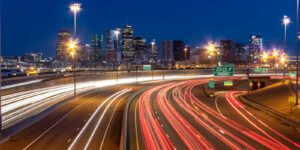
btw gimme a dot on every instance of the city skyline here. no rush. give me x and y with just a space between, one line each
180 22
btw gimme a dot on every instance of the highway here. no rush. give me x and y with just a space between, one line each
92 121
20 106
164 114
178 115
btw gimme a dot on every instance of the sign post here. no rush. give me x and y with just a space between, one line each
292 102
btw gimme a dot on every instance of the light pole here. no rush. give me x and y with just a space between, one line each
297 63
286 20
75 8
72 45
211 48
185 51
117 32
152 57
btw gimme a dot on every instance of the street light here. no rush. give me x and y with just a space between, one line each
265 56
117 32
286 20
152 57
185 51
211 49
75 8
297 44
72 47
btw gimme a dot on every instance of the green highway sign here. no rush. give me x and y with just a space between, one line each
260 70
223 71
228 83
147 67
211 84
292 74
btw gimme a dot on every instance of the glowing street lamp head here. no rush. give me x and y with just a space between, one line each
275 53
117 32
282 59
286 20
75 8
265 56
153 43
211 47
72 46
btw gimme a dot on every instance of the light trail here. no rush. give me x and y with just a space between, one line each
230 98
77 138
230 132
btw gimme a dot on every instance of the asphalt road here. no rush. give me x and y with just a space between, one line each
92 121
96 117
179 115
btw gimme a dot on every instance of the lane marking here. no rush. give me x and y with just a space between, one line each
136 129
54 125
102 116
112 116
72 146
216 102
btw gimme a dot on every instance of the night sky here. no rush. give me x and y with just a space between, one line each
31 25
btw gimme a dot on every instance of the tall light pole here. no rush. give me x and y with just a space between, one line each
286 21
185 51
152 57
211 49
0 69
75 8
297 63
117 32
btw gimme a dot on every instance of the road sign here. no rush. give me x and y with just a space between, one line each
228 83
223 71
260 70
292 100
211 84
147 67
292 74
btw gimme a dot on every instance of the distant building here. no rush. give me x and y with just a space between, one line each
167 52
255 47
228 51
140 49
127 45
96 49
63 37
178 50
112 47
241 53
32 57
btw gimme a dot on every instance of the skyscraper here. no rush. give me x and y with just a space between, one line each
127 45
241 50
111 47
255 47
228 51
167 52
96 48
63 37
178 50
140 49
